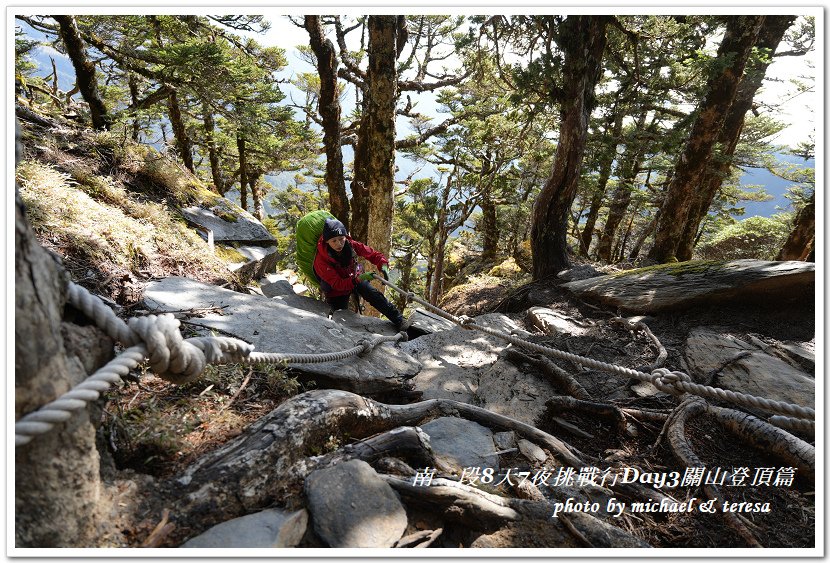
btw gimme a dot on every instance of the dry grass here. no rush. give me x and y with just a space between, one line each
158 428
105 232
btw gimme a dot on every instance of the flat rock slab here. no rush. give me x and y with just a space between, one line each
679 286
277 288
272 326
462 443
351 506
268 528
506 389
453 359
307 304
364 323
425 322
229 223
757 374
260 259
550 321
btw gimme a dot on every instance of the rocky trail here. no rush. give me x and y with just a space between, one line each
460 438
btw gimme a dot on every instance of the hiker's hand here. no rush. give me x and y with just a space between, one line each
367 276
385 273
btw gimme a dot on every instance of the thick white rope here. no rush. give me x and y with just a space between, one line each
673 382
171 357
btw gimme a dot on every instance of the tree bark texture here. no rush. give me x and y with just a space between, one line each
769 37
329 108
243 171
374 164
602 182
801 242
256 195
184 146
583 41
213 154
627 173
736 47
489 215
84 71
132 82
375 153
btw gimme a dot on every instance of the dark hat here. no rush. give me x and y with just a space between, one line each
334 228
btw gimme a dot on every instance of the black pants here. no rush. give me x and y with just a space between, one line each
375 298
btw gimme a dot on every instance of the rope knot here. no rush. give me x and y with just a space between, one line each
667 381
465 321
171 356
368 345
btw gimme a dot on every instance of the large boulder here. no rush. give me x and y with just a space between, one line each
229 223
754 372
454 359
256 261
679 286
351 506
272 326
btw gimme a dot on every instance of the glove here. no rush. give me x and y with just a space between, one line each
384 272
367 276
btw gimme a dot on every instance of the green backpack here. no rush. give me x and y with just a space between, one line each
309 229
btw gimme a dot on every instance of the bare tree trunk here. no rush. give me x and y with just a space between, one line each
374 162
583 41
769 37
256 195
213 154
132 81
801 242
736 47
628 170
329 108
375 153
84 71
243 171
599 191
489 228
184 146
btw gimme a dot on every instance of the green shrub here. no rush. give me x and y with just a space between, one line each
754 237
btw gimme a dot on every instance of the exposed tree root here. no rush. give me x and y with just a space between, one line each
632 325
484 511
709 378
269 462
420 539
557 375
604 410
766 437
687 456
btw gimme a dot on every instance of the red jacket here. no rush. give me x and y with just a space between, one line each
341 279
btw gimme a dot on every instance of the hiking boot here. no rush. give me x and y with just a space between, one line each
400 324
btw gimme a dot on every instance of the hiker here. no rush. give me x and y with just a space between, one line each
337 271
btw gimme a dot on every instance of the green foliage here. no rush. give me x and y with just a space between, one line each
755 237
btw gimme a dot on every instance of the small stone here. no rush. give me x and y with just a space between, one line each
265 529
462 443
505 440
531 451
